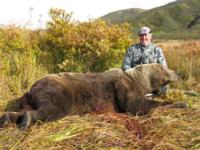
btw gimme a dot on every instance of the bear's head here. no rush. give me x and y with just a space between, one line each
154 75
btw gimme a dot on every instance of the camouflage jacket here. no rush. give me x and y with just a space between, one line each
140 54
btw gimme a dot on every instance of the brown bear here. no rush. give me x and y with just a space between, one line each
58 95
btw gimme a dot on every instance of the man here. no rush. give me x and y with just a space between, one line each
144 52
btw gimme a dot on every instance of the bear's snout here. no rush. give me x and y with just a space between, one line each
172 76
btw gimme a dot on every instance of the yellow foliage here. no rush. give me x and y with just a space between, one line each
87 46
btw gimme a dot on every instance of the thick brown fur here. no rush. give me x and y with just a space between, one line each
58 95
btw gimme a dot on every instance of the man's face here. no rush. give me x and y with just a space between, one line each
145 39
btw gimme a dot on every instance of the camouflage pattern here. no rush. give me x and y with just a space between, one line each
140 54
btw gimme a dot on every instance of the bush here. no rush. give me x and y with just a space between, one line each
19 66
88 46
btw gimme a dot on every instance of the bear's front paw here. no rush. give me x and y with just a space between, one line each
5 119
23 121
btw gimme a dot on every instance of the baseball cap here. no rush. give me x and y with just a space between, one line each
144 30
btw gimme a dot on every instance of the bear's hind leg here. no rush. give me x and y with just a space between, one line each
48 112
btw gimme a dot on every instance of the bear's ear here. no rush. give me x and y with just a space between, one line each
139 68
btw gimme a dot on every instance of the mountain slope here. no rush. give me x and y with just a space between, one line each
126 15
179 19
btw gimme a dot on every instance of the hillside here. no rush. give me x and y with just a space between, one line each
179 19
125 15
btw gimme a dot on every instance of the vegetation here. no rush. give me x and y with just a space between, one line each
120 16
184 57
19 63
91 46
176 20
27 55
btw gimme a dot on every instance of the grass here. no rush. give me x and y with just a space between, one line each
184 58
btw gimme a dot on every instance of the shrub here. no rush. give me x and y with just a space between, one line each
18 52
87 46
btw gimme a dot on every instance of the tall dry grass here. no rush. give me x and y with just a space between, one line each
18 72
184 58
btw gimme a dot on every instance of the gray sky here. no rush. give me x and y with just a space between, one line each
20 12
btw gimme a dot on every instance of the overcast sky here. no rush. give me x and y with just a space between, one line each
22 11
